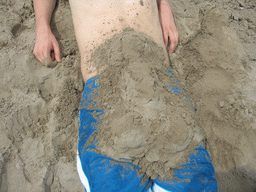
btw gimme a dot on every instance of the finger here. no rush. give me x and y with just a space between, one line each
52 55
165 37
37 55
56 49
47 56
174 42
172 47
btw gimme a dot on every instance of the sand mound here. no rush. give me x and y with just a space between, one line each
144 121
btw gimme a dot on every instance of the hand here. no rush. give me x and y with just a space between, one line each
168 25
46 48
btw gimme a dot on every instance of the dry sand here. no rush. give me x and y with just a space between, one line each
214 63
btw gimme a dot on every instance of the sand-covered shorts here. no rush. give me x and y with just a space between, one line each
100 173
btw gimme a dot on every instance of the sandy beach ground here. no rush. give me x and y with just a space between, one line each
214 63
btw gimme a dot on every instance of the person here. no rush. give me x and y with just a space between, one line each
95 22
95 18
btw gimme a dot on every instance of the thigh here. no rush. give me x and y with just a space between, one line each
98 172
101 173
195 175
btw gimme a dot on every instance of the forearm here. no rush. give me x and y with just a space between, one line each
158 2
166 5
43 12
46 47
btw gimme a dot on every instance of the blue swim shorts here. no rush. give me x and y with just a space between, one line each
98 173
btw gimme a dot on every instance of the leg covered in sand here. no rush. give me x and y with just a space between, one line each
137 129
102 173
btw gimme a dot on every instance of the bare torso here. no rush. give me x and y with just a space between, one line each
95 21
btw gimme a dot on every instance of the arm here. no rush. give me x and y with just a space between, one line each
46 47
167 24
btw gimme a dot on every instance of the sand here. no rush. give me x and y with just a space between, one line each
214 63
144 122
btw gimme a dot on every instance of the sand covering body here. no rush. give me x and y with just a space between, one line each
148 120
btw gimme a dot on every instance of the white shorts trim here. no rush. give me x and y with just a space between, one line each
81 174
85 182
157 188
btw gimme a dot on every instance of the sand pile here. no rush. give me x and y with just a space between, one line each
144 121
215 65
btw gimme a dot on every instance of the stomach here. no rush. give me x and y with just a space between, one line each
97 20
